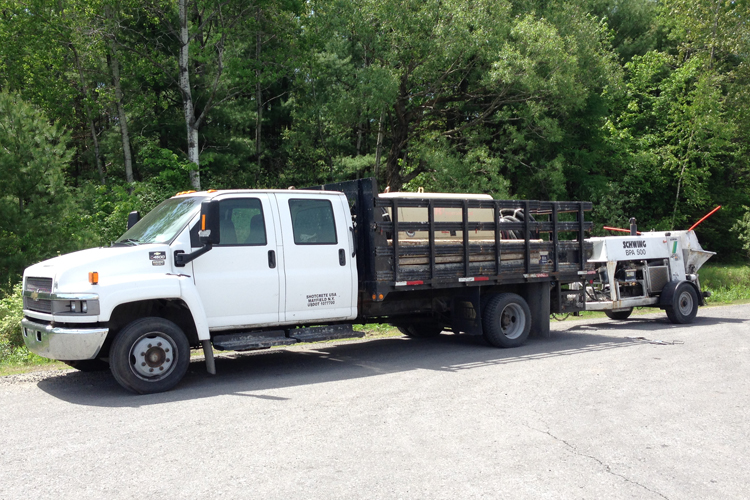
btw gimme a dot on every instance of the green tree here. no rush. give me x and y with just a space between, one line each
35 203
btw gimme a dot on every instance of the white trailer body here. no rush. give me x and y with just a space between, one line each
646 270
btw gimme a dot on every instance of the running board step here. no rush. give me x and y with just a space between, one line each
251 340
319 333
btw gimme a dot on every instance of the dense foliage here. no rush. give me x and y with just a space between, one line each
640 106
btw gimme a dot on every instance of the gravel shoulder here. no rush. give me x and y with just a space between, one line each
602 409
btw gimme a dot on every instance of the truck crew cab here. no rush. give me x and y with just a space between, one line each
251 269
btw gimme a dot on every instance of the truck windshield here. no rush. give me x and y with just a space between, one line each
162 223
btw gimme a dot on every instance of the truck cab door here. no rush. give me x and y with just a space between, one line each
320 271
239 280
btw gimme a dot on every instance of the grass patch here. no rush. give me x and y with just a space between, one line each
728 284
19 360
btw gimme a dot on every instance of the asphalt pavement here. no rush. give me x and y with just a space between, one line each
603 409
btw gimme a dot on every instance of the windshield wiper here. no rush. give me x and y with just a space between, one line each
127 242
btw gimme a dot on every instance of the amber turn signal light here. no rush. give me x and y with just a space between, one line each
94 278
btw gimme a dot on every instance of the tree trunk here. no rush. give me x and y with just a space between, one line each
258 91
187 98
400 122
360 130
396 156
122 118
379 147
89 118
685 162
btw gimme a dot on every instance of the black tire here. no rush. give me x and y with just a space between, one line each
88 365
684 305
623 314
149 355
506 320
421 330
404 329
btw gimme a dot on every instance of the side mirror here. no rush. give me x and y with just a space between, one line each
209 233
209 225
133 218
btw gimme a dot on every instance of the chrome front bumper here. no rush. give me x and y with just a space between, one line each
63 343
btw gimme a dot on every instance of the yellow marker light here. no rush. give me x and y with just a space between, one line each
211 191
94 278
380 296
373 296
203 222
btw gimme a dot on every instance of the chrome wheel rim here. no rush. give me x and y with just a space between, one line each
153 356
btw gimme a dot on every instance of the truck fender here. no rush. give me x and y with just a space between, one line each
135 288
170 286
667 293
193 300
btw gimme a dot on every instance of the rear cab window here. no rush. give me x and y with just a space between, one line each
313 222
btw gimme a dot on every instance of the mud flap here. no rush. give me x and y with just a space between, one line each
537 296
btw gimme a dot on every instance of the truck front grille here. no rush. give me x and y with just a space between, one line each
41 305
39 284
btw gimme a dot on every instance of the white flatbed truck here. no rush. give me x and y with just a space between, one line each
251 269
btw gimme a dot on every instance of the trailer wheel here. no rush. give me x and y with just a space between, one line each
421 330
621 314
149 355
88 365
684 305
506 320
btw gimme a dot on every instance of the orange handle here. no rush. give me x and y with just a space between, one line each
619 229
709 214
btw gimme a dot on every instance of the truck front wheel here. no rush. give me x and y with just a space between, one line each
684 305
149 355
506 320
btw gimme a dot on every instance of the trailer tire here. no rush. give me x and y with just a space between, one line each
421 330
620 315
506 320
88 365
149 355
684 305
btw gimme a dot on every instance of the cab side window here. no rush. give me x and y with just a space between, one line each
242 222
313 222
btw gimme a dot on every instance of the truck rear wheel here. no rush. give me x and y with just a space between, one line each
506 320
149 355
621 314
684 305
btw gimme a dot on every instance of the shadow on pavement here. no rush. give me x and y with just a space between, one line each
241 373
646 323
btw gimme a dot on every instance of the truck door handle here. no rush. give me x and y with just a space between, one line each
271 259
342 257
